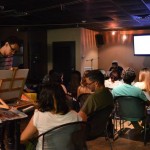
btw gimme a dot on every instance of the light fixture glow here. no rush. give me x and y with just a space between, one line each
113 32
124 37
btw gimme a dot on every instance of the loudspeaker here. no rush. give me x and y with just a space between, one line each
99 40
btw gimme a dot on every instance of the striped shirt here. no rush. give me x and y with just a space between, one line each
5 62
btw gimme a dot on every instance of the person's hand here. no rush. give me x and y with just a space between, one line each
3 104
13 68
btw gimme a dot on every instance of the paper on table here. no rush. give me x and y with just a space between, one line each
11 114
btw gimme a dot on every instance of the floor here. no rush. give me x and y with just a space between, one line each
130 139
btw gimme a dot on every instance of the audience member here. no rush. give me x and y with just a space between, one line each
126 89
115 66
74 83
113 81
52 111
54 77
45 80
144 81
101 97
83 88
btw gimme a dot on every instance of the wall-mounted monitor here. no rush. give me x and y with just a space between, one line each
141 44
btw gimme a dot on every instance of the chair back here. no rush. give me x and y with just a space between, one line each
97 123
70 136
82 98
130 108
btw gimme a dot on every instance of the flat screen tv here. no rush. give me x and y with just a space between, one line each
141 44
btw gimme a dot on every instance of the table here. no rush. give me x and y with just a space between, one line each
11 116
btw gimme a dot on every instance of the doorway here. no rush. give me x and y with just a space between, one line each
63 54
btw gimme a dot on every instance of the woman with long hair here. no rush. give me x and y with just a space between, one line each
144 81
52 111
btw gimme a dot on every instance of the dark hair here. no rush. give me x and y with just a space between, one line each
13 40
129 75
115 63
114 75
52 98
54 77
74 83
96 75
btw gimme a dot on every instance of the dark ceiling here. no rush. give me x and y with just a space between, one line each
92 14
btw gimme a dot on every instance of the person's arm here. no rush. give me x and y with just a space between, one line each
87 108
3 104
64 88
82 115
28 132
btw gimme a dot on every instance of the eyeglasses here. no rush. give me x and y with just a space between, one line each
13 49
90 83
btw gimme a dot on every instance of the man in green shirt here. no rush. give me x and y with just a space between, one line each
100 98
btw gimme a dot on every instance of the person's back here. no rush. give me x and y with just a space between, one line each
126 89
54 77
52 111
100 99
114 80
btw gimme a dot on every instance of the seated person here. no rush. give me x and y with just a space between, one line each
52 111
144 81
126 89
46 79
83 88
74 83
115 66
113 81
54 77
101 96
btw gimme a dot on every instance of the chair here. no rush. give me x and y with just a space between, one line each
82 98
100 124
130 108
70 136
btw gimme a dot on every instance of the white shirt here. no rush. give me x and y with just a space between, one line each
45 121
141 85
109 84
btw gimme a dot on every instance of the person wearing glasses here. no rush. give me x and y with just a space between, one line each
10 46
101 97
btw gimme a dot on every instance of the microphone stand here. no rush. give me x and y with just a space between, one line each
91 62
